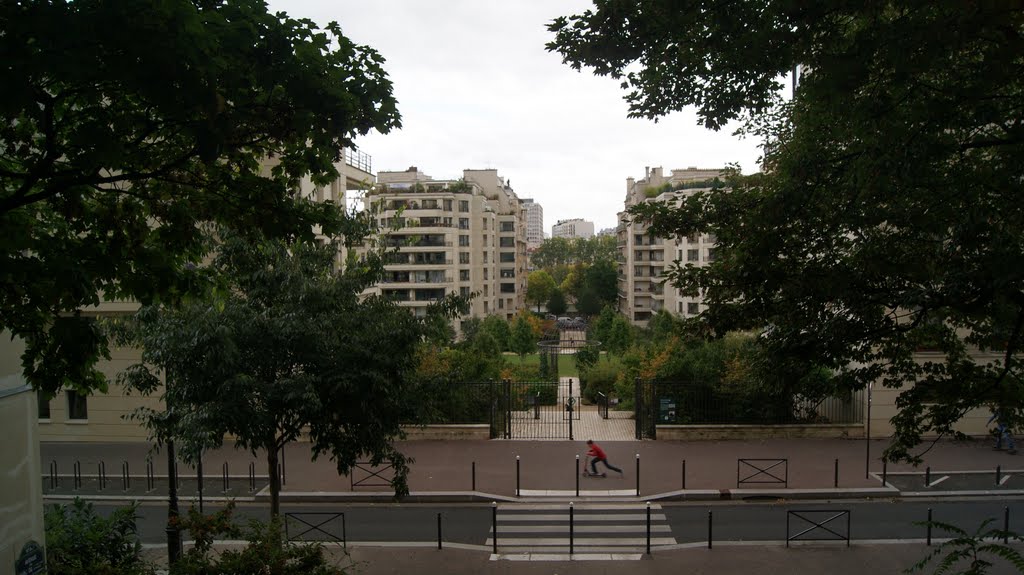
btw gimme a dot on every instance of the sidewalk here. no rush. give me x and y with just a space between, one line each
444 470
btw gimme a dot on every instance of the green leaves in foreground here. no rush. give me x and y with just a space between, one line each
970 553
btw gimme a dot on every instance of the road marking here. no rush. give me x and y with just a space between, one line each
1004 479
938 481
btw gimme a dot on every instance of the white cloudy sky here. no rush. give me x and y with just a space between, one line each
476 89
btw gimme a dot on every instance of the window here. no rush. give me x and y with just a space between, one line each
501 303
692 255
508 288
463 257
508 226
508 242
463 275
506 257
692 238
712 238
508 273
463 241
638 239
44 406
447 205
693 308
463 223
485 257
486 274
711 254
464 291
463 205
77 407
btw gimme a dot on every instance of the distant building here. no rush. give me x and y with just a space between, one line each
574 228
643 257
463 236
534 224
607 232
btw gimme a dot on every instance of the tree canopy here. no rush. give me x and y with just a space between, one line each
539 287
289 350
888 220
136 122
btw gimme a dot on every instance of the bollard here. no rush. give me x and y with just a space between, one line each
199 481
101 469
928 476
474 476
999 472
344 532
571 529
53 474
836 482
1006 525
885 471
638 475
494 526
438 531
928 541
125 477
517 476
577 475
252 476
149 475
648 527
224 476
77 470
684 475
284 468
709 529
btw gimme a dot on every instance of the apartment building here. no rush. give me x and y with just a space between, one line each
464 236
643 257
534 224
573 228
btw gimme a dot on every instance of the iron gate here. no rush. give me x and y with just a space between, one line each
540 409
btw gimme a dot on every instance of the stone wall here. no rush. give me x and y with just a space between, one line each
465 431
698 432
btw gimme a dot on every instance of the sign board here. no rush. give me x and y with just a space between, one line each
31 561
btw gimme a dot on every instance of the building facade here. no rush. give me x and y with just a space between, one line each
643 257
534 214
465 236
573 228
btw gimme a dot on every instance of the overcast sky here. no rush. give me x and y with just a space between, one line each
476 89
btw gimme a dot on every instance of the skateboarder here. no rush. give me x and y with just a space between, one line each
598 455
1002 432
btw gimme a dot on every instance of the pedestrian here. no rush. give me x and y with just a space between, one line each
597 454
1002 432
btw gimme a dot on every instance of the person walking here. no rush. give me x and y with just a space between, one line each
597 454
1002 432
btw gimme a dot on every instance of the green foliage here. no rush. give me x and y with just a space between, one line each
498 328
268 551
539 287
139 123
563 252
556 303
601 378
888 218
662 325
523 339
971 553
290 350
620 336
80 542
586 357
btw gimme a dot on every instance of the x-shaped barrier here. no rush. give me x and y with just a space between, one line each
833 514
761 472
373 474
316 527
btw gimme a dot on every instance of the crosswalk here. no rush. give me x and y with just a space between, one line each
608 530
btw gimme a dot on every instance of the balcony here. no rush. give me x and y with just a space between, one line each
359 160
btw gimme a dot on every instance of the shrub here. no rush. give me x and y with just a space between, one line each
80 542
601 378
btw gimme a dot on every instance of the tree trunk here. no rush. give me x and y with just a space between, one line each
275 481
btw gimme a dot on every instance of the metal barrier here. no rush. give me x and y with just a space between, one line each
318 524
373 475
760 471
602 405
805 515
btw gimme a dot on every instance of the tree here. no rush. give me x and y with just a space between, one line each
556 303
889 220
290 349
620 336
603 278
523 339
539 287
497 327
136 123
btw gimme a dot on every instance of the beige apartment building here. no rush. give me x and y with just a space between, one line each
465 236
643 258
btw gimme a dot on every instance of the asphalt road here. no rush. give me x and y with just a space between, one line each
687 523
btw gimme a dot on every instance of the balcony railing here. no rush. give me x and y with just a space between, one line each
359 160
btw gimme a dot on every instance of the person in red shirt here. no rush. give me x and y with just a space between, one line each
598 455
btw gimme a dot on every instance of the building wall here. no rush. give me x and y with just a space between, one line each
534 224
574 228
476 233
643 258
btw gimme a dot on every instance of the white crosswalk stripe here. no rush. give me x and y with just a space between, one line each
596 529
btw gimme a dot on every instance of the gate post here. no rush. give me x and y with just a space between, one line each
638 409
508 409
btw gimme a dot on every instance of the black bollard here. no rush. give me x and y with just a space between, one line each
709 529
517 476
577 475
572 527
439 531
494 526
928 541
473 473
648 527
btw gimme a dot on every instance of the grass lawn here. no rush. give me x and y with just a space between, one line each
566 363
